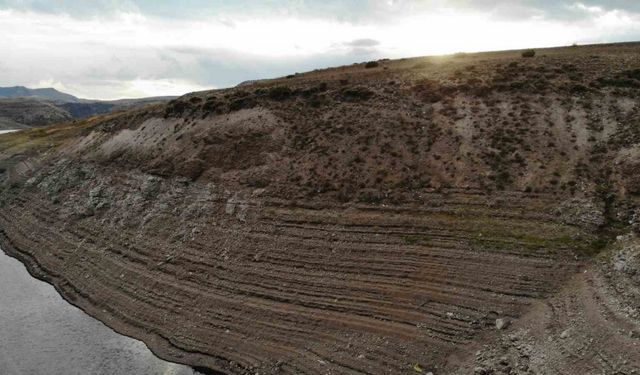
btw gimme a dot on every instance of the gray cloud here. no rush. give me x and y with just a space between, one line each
549 9
108 75
363 43
355 11
101 64
223 68
72 7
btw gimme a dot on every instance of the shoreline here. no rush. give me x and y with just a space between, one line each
35 271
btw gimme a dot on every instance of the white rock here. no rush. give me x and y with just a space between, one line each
502 323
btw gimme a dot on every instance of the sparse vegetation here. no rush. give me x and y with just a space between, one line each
529 53
279 93
415 239
357 93
371 64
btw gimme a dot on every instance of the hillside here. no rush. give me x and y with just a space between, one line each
373 218
22 108
23 113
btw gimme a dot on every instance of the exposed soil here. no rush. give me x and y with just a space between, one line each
589 327
354 220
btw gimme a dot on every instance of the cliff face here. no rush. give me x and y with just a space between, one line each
351 220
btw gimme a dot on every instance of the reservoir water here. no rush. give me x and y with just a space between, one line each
42 334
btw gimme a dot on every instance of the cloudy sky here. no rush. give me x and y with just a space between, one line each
111 49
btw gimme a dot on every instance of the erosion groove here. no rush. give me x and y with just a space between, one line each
344 291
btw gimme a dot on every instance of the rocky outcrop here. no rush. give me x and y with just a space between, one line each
588 213
634 221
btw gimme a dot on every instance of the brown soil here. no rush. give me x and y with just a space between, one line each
350 220
589 327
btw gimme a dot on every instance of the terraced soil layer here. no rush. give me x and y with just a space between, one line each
297 289
589 327
352 220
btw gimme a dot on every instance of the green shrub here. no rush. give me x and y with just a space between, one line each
357 93
279 93
529 53
371 64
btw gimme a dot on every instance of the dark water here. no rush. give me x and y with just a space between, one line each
42 334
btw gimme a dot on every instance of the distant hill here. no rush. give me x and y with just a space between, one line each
44 93
22 107
20 113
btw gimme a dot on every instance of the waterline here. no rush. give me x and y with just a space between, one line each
42 334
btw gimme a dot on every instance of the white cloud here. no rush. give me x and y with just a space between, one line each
589 9
142 87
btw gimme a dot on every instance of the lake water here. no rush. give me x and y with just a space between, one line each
42 334
8 131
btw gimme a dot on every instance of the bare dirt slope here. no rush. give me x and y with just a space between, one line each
589 327
349 220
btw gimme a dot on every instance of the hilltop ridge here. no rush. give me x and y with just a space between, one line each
47 93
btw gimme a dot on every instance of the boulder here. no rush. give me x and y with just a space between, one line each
502 323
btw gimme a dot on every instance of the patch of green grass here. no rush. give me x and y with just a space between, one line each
596 246
415 239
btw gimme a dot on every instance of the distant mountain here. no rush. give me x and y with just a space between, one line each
21 107
44 93
20 113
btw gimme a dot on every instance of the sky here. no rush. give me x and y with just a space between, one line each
110 49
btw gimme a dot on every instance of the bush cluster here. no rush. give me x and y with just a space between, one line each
529 53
